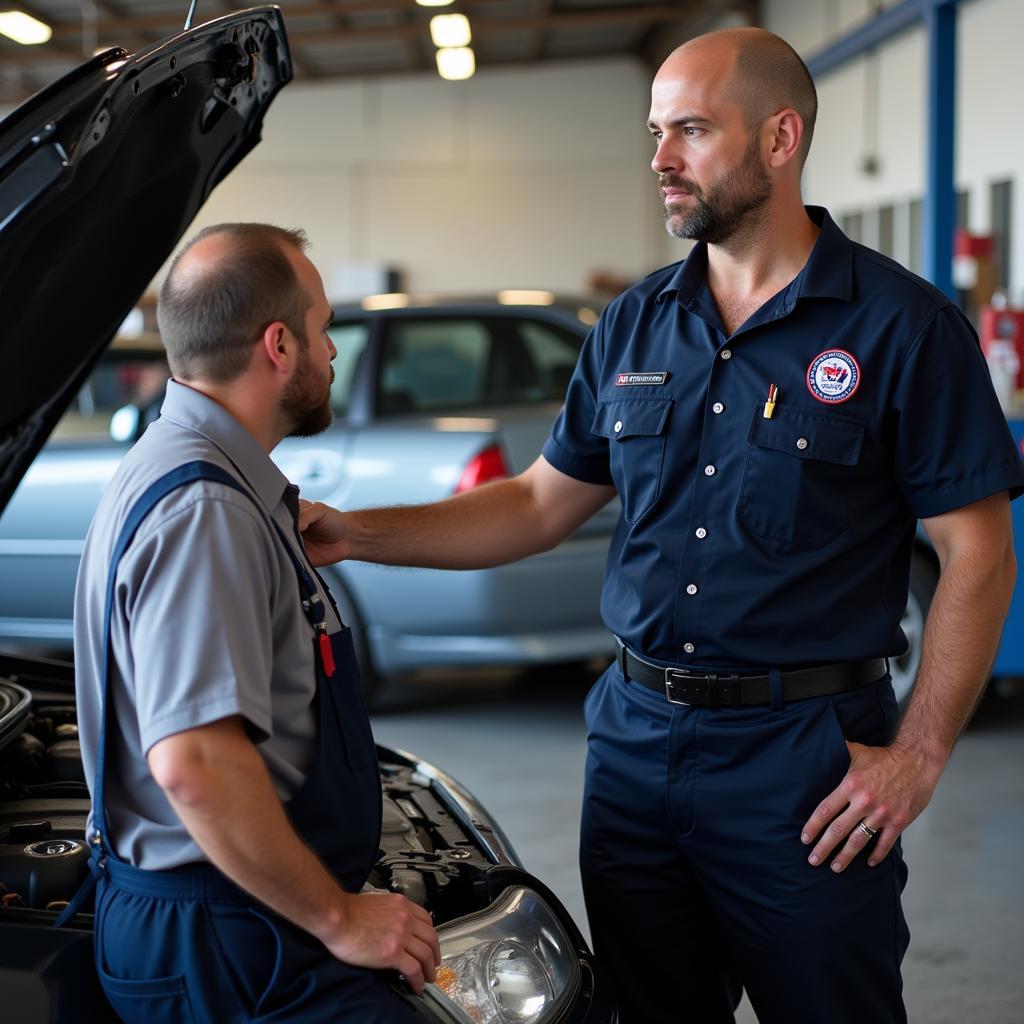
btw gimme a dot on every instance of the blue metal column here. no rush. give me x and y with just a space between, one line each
940 162
939 17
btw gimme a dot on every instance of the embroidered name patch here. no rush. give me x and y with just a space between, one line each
651 377
833 376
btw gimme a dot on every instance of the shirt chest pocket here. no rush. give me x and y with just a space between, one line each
801 467
636 430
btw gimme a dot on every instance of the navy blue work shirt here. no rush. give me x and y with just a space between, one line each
752 542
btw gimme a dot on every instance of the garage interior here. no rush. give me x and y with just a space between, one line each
533 173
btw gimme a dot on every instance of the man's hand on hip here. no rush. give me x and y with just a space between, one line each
884 790
385 930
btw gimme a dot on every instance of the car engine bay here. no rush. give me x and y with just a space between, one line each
507 943
425 853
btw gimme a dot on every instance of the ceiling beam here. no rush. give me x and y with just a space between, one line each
538 36
600 18
662 20
504 62
320 74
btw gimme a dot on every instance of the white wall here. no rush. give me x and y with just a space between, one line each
536 176
989 141
514 178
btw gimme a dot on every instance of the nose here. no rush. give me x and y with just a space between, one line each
665 159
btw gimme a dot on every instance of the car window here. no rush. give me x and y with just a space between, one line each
350 341
442 364
121 378
433 364
554 353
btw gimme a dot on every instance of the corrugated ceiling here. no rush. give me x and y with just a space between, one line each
344 38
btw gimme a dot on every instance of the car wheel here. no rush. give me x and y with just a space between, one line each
923 580
372 680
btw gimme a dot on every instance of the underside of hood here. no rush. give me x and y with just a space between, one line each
100 176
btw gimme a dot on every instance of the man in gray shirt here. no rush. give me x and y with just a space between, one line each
236 795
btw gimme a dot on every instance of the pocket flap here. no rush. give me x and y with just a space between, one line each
631 417
808 435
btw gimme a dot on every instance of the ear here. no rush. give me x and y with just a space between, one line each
277 345
786 130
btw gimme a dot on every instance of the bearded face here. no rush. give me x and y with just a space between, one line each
306 402
725 206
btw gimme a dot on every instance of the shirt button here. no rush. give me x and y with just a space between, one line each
718 408
709 470
801 443
692 589
618 426
726 353
689 648
701 532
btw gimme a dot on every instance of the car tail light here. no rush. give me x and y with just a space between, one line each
483 467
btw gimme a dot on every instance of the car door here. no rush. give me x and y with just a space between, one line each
43 529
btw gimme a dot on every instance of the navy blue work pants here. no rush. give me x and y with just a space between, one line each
696 883
186 946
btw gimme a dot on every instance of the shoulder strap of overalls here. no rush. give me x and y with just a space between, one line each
187 473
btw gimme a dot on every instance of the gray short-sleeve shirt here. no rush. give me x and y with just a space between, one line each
207 621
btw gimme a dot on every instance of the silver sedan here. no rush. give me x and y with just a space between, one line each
430 399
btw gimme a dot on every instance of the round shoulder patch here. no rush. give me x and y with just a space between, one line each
833 376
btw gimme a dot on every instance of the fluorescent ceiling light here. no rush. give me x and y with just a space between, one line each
450 30
525 297
23 28
433 3
389 300
456 64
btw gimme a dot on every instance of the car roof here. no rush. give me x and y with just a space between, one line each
510 303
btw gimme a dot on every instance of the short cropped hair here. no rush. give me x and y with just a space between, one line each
209 319
770 76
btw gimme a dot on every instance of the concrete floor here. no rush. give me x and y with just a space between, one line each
517 742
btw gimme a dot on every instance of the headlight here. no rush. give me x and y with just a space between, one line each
509 964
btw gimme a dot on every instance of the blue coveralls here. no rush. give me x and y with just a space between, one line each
187 945
757 545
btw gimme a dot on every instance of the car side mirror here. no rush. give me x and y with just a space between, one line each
124 424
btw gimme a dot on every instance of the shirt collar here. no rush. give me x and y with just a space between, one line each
827 274
196 411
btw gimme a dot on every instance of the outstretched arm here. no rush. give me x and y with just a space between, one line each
491 525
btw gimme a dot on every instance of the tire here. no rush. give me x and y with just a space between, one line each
924 578
372 679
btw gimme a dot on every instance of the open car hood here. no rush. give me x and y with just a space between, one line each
101 174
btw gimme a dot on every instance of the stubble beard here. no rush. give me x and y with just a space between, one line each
306 402
731 205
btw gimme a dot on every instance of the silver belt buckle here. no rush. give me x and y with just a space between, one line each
673 674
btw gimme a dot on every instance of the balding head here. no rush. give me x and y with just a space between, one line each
223 289
755 69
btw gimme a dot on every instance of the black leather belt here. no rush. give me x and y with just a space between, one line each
731 690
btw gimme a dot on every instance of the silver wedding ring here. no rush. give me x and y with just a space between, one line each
867 829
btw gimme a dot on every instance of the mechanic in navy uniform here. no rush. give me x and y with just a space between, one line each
236 793
774 414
